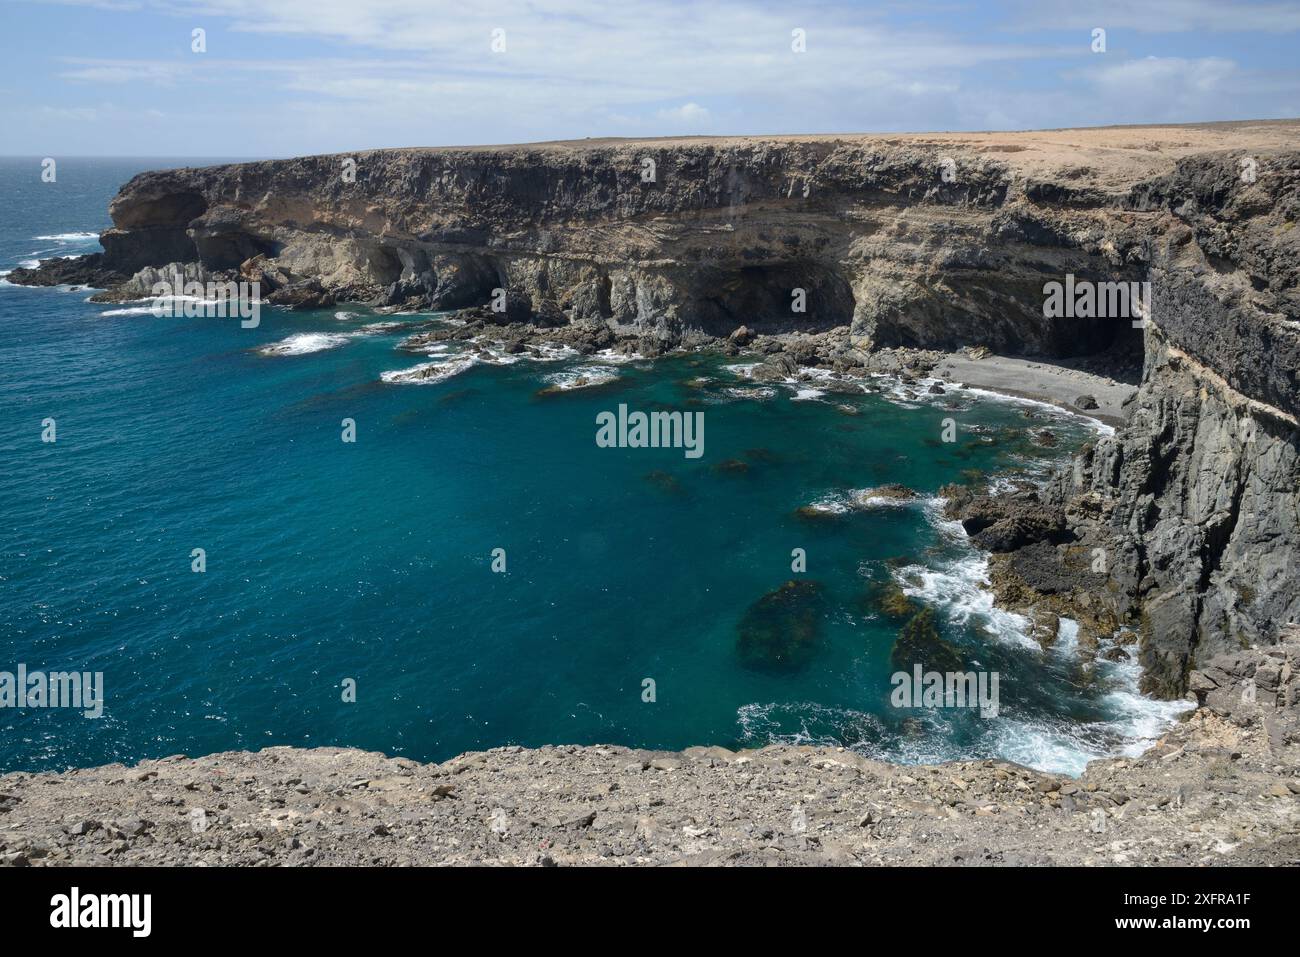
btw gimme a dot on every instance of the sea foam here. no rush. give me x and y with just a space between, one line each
303 343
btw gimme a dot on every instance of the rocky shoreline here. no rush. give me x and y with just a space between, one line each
1220 788
1190 510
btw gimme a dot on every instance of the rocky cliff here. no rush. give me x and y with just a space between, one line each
1184 526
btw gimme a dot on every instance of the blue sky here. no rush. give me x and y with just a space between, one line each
286 77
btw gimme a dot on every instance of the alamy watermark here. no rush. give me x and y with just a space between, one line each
651 430
1085 299
75 909
178 297
946 689
54 689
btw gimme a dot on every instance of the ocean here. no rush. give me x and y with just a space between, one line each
353 592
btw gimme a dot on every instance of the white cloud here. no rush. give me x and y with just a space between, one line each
122 71
1168 89
689 114
576 69
1164 76
410 72
1160 16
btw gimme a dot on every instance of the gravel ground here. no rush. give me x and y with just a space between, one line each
1223 787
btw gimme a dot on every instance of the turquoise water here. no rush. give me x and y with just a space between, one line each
372 560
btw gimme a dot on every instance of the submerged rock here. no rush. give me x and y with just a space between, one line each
817 514
890 600
664 481
919 643
782 630
731 467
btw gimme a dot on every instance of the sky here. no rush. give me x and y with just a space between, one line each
295 77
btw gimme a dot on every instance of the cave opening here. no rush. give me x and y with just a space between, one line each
384 264
228 250
777 298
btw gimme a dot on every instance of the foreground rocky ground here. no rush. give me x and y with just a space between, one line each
1221 788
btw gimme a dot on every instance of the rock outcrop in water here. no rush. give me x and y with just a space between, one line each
919 643
781 632
935 242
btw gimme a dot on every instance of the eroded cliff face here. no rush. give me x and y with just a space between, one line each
1194 502
874 235
936 242
1194 508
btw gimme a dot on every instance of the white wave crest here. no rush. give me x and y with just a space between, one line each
129 311
807 395
750 392
430 373
303 343
960 590
582 378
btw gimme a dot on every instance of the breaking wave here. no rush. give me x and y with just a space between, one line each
303 343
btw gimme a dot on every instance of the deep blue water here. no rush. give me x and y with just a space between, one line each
328 560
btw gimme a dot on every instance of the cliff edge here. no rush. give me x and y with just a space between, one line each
1222 788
